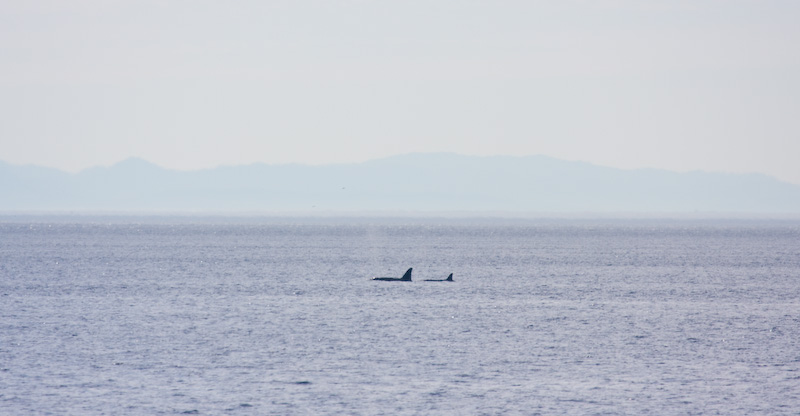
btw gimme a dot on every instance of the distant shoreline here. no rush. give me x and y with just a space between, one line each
457 218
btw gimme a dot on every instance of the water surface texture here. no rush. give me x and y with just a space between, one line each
622 317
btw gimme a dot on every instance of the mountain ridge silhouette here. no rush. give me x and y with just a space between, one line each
412 182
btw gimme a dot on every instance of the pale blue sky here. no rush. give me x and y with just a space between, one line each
680 85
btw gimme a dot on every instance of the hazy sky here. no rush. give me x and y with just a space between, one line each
681 85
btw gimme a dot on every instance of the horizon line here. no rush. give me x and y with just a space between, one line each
389 215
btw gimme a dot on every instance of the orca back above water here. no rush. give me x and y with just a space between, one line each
406 277
449 279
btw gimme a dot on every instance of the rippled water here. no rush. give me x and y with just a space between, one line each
278 318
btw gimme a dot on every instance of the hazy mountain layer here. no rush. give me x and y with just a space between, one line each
415 182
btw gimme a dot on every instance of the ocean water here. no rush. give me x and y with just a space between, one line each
139 317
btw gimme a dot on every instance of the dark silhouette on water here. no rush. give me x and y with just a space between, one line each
449 279
406 277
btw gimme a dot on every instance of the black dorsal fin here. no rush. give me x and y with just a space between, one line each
407 276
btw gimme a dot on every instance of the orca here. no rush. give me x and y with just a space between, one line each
406 277
449 279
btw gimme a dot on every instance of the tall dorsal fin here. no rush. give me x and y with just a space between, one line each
407 276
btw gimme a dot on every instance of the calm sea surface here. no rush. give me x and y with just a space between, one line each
281 318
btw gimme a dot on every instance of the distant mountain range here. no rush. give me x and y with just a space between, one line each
416 182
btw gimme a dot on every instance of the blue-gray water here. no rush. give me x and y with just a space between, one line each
276 318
